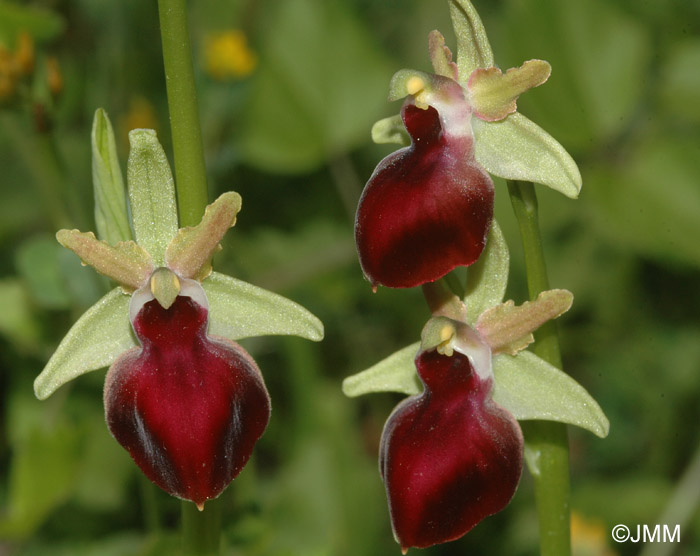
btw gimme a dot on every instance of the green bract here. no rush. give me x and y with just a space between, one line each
506 143
161 256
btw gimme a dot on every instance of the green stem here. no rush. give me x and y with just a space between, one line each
190 171
547 444
201 531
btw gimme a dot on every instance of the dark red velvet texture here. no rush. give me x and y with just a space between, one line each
449 457
188 408
426 209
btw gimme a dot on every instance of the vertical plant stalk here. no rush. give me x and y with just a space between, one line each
201 531
547 444
188 151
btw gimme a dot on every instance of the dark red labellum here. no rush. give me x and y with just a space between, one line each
450 456
426 209
188 408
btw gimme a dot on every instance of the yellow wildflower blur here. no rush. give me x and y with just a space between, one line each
589 537
227 55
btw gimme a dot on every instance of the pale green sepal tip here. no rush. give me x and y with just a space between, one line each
487 278
530 388
101 335
518 149
473 48
390 130
111 213
396 373
151 194
240 310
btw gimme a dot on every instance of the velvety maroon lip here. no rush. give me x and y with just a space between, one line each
426 209
450 456
188 408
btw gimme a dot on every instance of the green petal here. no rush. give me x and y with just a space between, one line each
111 215
126 262
508 328
390 130
189 253
473 48
493 94
518 149
440 55
531 388
488 277
240 310
151 194
95 341
396 373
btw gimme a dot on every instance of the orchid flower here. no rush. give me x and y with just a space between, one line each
181 396
427 207
451 454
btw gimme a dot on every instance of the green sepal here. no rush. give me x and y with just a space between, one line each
391 130
151 194
530 388
101 335
189 253
111 214
396 373
518 149
473 48
487 278
240 310
525 385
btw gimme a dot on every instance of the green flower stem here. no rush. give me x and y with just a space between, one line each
547 445
201 531
188 151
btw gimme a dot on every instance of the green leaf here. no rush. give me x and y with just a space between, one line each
391 130
111 215
39 265
101 335
151 194
317 90
518 149
16 320
531 388
40 24
487 278
473 48
396 373
240 310
650 204
43 470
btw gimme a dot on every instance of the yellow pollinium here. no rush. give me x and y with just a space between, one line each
165 286
415 86
447 333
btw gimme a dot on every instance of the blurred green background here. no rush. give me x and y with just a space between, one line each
288 92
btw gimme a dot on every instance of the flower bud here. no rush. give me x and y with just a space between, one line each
187 407
450 456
